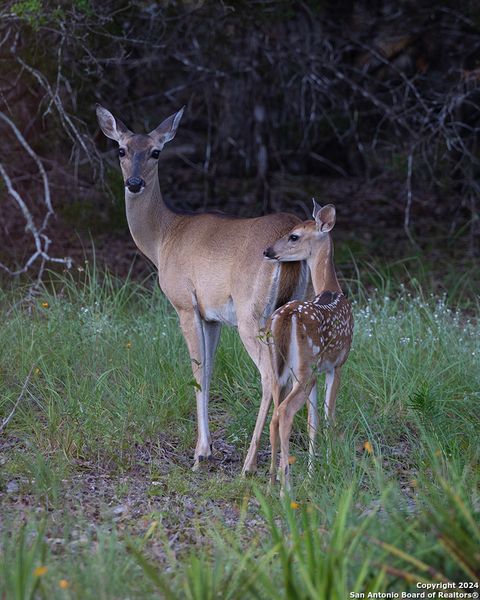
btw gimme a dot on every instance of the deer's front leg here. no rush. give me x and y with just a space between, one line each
248 329
202 339
274 432
250 464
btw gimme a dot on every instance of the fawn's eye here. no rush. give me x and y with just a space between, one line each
155 154
121 152
293 237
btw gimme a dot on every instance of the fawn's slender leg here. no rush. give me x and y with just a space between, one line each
312 427
287 411
332 381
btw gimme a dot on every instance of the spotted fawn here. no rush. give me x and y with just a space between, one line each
307 337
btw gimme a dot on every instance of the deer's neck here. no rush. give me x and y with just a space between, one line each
149 219
322 268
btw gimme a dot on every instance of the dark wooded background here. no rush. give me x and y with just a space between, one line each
371 105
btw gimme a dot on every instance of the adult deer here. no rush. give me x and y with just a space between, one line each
210 267
306 338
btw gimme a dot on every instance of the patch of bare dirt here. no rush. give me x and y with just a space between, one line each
158 490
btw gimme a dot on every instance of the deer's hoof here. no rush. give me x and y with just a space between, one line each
249 471
202 461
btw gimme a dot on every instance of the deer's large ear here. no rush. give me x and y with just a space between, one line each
167 129
113 128
324 217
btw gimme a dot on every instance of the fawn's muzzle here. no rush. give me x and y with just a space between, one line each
134 184
269 253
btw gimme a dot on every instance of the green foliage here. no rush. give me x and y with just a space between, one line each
316 564
84 6
20 559
97 374
99 570
422 401
454 517
31 11
44 476
38 13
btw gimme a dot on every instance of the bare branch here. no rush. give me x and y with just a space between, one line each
41 240
408 207
70 128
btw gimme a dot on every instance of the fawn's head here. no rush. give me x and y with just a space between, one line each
138 152
301 241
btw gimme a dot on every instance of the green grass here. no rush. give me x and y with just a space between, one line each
95 477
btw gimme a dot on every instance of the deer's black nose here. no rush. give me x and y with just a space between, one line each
268 253
134 184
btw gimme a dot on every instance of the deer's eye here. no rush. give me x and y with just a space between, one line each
155 154
293 237
121 152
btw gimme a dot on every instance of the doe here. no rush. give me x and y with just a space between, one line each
210 267
307 337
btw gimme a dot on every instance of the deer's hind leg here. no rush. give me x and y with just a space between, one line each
287 411
278 394
312 426
332 383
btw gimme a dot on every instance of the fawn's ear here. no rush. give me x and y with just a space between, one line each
113 128
324 217
167 129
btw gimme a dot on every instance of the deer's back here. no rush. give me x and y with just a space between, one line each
221 258
306 335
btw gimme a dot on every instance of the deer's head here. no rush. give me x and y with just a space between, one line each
138 153
301 241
